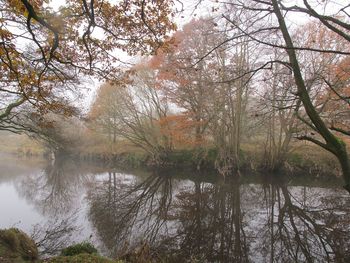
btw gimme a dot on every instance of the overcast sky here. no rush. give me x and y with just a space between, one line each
191 9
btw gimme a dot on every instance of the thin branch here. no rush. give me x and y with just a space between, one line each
340 130
250 35
315 141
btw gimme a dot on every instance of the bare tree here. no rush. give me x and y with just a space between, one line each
264 22
133 111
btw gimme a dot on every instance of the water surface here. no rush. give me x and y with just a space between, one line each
180 218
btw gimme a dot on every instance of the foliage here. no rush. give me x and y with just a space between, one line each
81 258
80 248
201 91
44 53
188 80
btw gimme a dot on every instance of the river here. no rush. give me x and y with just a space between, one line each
179 217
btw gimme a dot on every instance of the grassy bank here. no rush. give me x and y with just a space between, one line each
18 247
305 159
20 145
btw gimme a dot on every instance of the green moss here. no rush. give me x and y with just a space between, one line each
16 247
80 248
341 142
181 157
81 258
296 159
212 155
135 159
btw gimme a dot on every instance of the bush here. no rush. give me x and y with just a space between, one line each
182 157
9 237
80 248
16 246
82 258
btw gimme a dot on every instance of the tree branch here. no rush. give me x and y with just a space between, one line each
340 130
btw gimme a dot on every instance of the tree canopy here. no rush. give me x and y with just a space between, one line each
44 53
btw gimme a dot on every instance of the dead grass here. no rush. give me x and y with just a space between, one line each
19 144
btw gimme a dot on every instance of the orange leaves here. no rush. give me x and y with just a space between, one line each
156 61
139 24
342 69
43 56
17 7
181 129
186 83
5 34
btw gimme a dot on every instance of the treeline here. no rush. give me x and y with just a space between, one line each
220 100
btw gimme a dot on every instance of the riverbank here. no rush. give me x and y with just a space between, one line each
306 160
17 247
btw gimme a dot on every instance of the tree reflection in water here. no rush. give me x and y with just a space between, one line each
305 225
211 223
125 214
182 220
56 193
58 189
220 222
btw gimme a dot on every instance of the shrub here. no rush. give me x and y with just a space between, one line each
82 258
9 236
80 248
16 245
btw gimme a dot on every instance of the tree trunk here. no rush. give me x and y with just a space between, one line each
332 143
345 165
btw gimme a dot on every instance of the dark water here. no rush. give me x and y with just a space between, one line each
175 217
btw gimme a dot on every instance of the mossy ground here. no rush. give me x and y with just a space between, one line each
81 258
17 247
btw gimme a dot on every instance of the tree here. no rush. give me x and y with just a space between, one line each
104 111
134 111
281 104
264 23
204 88
60 135
331 143
187 82
335 96
279 109
230 109
43 52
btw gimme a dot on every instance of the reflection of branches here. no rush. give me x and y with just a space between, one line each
306 229
56 188
122 211
220 222
212 224
55 234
